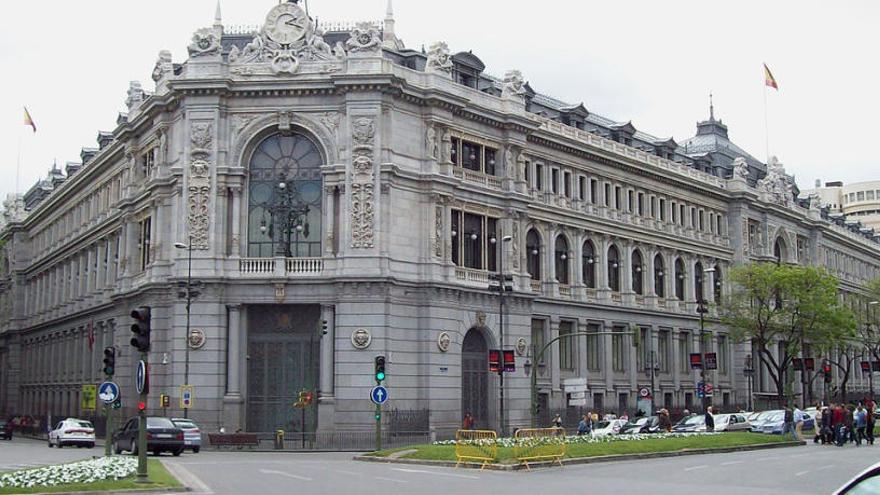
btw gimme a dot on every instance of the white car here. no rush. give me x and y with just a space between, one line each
612 427
72 431
732 422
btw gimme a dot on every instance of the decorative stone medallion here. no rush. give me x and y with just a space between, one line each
521 346
361 338
444 341
197 338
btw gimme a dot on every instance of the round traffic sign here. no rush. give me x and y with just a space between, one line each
379 395
108 392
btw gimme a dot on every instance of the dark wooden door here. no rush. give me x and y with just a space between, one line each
475 378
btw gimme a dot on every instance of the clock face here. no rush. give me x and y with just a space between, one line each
286 23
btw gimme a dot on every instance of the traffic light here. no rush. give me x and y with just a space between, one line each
164 401
494 361
380 369
142 406
826 370
141 328
323 327
109 361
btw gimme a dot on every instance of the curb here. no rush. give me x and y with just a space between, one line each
127 492
583 460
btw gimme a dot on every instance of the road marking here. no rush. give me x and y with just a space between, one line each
828 466
350 473
287 475
801 473
693 468
436 473
188 479
731 463
390 479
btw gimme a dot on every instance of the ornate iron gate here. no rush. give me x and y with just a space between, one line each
475 378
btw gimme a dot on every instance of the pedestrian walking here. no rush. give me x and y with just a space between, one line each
837 424
869 427
557 421
788 422
709 419
798 417
665 421
468 422
860 420
584 425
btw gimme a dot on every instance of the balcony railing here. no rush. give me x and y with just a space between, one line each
472 275
281 267
467 175
565 290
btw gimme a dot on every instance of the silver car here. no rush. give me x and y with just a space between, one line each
192 435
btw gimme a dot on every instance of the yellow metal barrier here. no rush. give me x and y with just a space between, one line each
476 445
539 444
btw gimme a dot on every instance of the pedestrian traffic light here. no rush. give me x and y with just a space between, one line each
494 361
164 401
142 406
141 328
826 370
380 369
109 361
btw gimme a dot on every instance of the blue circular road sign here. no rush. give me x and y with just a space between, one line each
141 377
108 392
379 395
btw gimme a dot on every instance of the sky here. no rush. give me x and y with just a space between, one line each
649 62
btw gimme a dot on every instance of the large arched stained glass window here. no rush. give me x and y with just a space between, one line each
284 198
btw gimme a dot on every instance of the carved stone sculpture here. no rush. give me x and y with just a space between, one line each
740 168
431 141
163 65
439 59
199 184
362 183
135 95
339 51
513 87
511 159
364 38
776 186
204 42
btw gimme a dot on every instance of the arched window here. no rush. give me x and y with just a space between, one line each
679 279
533 255
637 269
561 260
588 264
614 269
698 282
285 198
779 251
659 277
719 283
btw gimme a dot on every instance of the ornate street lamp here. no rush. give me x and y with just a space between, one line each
288 217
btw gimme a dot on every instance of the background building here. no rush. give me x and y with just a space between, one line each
858 202
346 197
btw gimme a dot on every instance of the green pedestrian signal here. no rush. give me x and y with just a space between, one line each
380 369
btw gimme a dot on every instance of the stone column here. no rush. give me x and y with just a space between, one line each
232 401
236 220
329 216
582 369
626 278
326 395
554 354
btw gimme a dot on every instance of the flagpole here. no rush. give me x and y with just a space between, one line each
766 126
18 164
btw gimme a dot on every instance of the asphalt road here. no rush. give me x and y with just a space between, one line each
801 470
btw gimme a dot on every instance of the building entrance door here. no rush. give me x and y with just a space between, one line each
475 378
283 349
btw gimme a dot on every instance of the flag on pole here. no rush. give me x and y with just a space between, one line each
91 334
769 80
28 120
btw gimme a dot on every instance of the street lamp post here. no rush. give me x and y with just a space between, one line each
188 247
702 309
502 287
653 367
750 373
871 306
288 215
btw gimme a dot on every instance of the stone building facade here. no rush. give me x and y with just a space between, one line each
345 197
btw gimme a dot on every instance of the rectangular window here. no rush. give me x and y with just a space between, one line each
538 340
643 358
582 188
594 190
662 210
618 197
539 177
607 194
618 349
566 346
664 356
723 354
702 221
566 184
693 224
144 242
622 402
640 204
860 196
148 162
527 175
682 213
472 245
470 156
869 195
718 230
684 351
674 212
630 202
593 344
489 160
653 207
554 180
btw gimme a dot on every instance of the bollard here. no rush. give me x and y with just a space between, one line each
279 439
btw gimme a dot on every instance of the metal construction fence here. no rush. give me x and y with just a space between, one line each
476 445
539 444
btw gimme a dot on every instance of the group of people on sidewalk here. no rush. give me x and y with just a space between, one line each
838 424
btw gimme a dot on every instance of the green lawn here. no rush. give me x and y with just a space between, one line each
506 454
159 478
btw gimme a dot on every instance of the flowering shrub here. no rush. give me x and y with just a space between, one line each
91 471
521 442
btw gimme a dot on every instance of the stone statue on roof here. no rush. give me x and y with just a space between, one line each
777 186
513 86
364 38
740 168
204 42
439 59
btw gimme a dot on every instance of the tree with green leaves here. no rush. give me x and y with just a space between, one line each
789 306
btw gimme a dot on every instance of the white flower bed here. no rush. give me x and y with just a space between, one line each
91 471
513 442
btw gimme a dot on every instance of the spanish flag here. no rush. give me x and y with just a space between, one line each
769 80
28 120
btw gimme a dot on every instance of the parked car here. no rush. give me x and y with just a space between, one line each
5 429
192 435
758 422
691 424
162 436
809 418
774 424
72 431
732 422
612 427
645 424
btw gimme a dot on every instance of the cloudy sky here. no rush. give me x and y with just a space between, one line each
650 62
